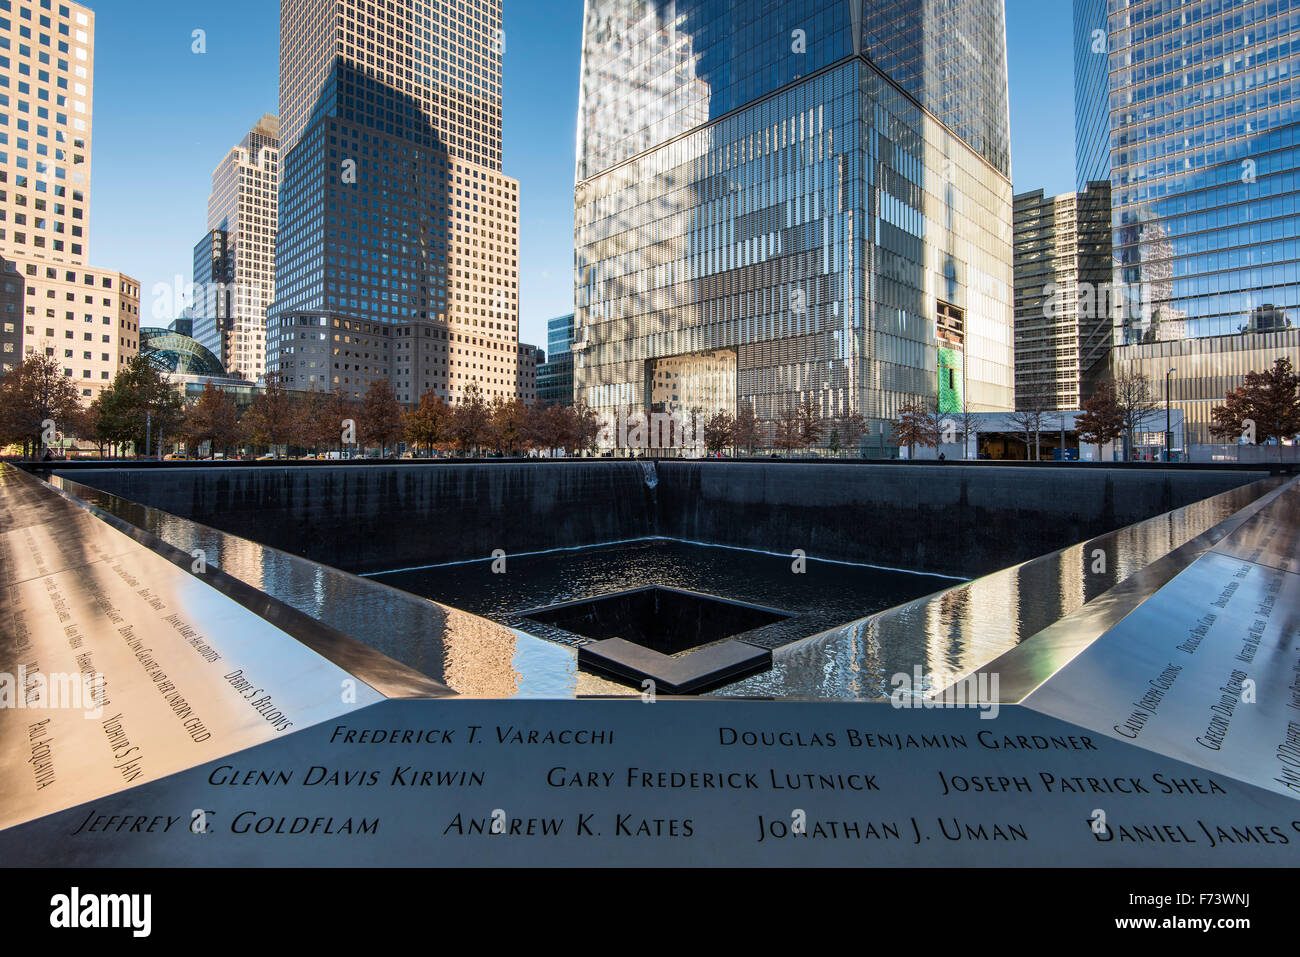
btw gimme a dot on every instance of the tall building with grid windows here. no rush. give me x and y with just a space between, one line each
1062 266
234 274
398 248
1190 110
54 303
793 202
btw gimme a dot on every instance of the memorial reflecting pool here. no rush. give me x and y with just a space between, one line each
818 596
401 559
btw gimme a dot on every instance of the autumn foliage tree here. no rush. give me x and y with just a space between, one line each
471 420
1266 406
213 418
811 425
788 435
719 431
506 425
140 408
34 393
586 424
917 425
313 426
746 432
381 417
430 423
269 421
1101 420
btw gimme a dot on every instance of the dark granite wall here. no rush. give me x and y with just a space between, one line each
380 518
954 519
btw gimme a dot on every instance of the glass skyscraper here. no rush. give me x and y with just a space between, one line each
398 247
555 375
779 203
1190 110
234 263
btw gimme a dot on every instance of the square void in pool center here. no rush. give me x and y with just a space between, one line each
666 620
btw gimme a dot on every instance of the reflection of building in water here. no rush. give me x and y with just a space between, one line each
758 179
478 656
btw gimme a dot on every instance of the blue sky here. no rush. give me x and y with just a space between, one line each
164 118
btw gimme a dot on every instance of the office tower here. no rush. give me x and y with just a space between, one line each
11 315
1200 144
234 263
531 359
555 376
1091 93
792 203
399 234
214 278
1062 266
87 318
47 79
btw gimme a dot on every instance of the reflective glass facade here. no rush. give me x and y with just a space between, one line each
1205 157
1091 93
1196 126
831 241
951 55
213 276
654 69
397 252
555 375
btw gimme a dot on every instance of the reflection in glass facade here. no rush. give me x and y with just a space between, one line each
751 183
1202 148
1203 157
398 243
555 375
1091 93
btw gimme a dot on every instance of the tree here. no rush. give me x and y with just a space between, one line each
789 435
381 419
470 420
84 424
960 427
561 427
506 424
745 430
213 418
35 395
1030 417
269 421
852 428
140 407
341 415
1101 421
586 423
719 432
918 424
429 423
1135 402
1266 406
314 428
811 425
